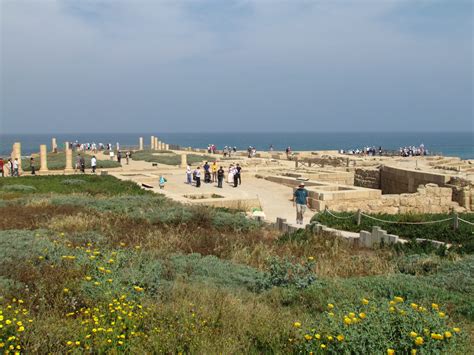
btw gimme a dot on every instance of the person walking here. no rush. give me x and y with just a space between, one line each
238 169
1 167
189 175
93 163
15 165
127 157
77 166
214 171
300 199
32 166
197 174
220 177
82 163
119 156
162 182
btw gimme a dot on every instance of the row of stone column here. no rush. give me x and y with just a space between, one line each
155 144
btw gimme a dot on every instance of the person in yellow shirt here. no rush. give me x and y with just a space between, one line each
214 171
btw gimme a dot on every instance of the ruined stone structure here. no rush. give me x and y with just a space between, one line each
427 199
68 152
43 158
184 160
367 177
54 145
140 143
152 143
16 154
398 180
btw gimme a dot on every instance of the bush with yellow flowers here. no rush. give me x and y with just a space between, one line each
14 321
109 326
389 327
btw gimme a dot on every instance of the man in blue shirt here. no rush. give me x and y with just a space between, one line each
300 199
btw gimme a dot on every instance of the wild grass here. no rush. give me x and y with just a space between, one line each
57 161
201 280
169 158
93 185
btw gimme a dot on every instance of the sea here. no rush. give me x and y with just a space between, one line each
459 144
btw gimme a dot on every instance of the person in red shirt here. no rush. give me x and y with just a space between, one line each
1 167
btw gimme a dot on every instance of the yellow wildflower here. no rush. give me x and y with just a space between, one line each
65 290
413 334
330 338
340 337
413 352
352 315
296 324
419 341
310 258
362 315
436 336
435 306
390 351
347 320
392 309
308 337
323 346
457 330
398 299
365 301
330 306
441 314
317 336
448 334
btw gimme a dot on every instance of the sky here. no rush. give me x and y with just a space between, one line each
236 65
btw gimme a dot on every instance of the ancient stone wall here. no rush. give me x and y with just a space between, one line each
397 180
368 177
428 199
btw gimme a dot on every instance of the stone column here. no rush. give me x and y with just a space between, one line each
54 145
140 143
184 160
157 144
167 146
69 168
43 157
17 154
152 145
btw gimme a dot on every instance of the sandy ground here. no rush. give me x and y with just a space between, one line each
275 199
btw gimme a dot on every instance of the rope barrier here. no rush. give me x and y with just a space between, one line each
412 223
463 220
397 222
339 217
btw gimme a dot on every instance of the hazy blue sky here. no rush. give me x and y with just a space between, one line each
224 65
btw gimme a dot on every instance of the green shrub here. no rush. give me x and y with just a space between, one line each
73 182
169 158
443 232
93 185
284 273
379 327
19 188
57 161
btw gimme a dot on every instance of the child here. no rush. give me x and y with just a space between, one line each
162 182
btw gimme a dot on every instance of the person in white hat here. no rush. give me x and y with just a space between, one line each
300 199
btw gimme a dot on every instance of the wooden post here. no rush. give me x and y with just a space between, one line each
296 163
359 216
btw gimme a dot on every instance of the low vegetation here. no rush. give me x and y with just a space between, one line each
463 237
128 271
169 158
57 161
